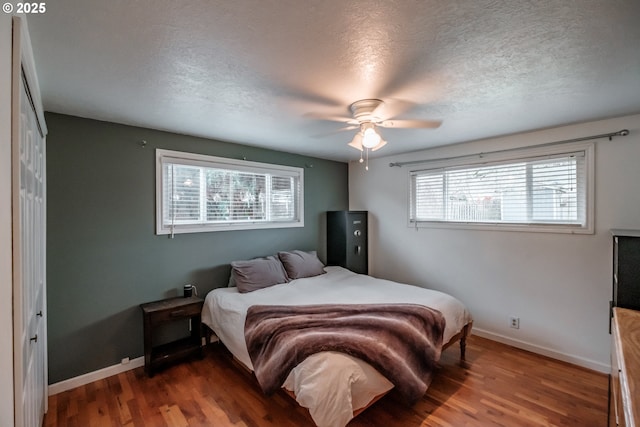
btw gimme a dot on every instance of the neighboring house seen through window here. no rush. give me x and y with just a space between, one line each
197 193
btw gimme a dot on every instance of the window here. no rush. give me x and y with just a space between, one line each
533 190
196 193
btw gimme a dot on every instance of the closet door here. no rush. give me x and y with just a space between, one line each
29 236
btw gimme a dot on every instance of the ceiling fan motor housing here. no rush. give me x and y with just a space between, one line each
363 110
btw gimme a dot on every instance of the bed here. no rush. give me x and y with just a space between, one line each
334 386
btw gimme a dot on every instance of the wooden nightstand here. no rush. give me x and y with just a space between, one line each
170 310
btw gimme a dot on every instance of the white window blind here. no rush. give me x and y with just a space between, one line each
544 190
204 193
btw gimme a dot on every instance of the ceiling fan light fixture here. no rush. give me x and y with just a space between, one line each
381 144
370 136
356 142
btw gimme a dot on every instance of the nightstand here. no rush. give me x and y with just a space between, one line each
161 312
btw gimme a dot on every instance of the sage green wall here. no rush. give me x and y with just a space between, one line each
103 256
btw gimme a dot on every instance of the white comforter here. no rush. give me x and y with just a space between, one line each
331 385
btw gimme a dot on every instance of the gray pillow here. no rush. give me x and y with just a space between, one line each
257 273
299 264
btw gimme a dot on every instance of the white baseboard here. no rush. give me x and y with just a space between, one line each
95 376
569 358
104 373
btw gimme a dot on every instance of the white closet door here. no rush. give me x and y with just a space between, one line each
29 236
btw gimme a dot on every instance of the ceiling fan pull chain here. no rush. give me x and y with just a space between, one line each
366 167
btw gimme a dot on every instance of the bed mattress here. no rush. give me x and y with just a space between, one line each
331 394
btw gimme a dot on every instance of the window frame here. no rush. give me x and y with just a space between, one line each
504 157
203 160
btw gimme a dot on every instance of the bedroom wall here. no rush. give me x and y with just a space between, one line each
558 284
6 298
104 258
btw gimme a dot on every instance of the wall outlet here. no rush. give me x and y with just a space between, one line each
514 322
125 361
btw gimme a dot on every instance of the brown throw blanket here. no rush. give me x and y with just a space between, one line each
401 341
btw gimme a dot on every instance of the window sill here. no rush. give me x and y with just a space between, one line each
531 228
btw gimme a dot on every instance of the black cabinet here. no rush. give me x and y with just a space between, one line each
347 241
626 269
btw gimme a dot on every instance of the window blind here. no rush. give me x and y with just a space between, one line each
199 193
548 189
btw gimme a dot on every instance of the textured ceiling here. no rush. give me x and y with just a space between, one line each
259 72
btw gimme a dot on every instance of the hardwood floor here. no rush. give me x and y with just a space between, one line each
497 386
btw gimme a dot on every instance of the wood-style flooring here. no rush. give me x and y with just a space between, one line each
498 385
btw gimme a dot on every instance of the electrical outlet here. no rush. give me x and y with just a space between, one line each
125 361
514 322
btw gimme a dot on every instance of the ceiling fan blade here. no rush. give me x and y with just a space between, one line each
356 142
381 144
322 135
330 118
427 124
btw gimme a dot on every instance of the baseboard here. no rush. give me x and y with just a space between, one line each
95 376
569 358
104 373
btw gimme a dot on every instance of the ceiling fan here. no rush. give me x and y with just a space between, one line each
367 117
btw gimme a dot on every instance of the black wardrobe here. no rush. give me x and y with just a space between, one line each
347 242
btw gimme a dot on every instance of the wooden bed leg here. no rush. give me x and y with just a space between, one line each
463 347
463 341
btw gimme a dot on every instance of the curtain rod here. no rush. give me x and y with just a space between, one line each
623 132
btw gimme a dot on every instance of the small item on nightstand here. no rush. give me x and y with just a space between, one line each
190 290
